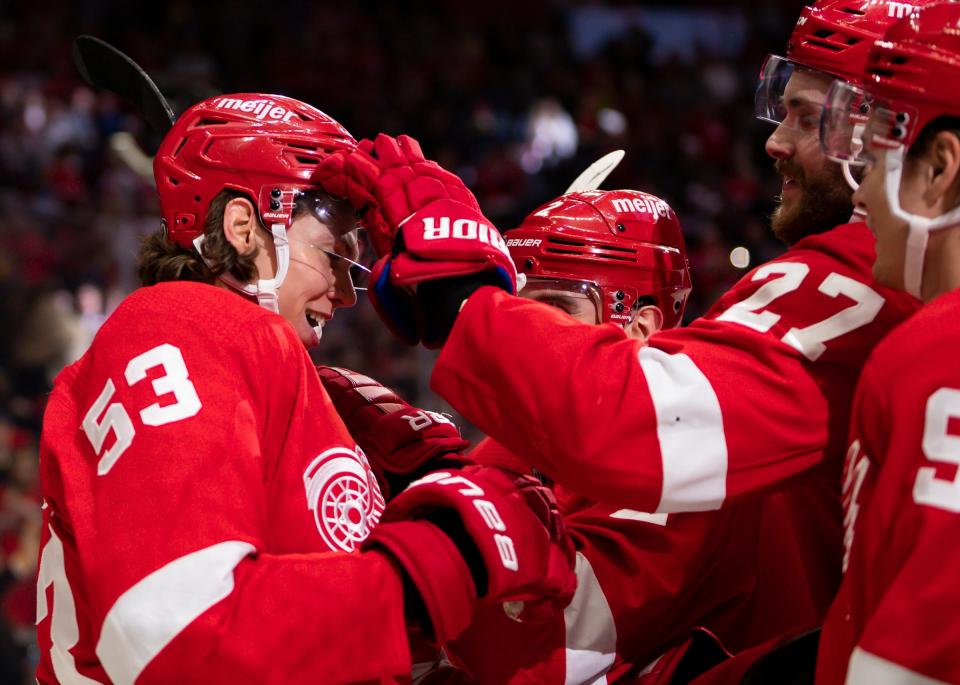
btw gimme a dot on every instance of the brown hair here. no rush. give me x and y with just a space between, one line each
160 259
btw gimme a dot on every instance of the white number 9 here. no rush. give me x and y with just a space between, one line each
939 445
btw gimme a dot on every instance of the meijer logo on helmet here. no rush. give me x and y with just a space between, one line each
645 205
441 228
899 10
261 109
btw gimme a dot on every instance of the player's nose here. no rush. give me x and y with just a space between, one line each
780 144
343 294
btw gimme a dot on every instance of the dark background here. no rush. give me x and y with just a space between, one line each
516 97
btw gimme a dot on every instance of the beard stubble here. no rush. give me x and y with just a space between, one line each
825 202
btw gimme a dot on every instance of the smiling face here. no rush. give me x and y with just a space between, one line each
814 197
318 279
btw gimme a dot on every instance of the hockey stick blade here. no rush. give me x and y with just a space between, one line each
103 66
596 173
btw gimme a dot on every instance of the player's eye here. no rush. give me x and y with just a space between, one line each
810 122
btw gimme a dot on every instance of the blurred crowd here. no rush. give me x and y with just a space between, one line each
516 97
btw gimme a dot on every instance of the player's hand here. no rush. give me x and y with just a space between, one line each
388 180
425 225
505 529
400 441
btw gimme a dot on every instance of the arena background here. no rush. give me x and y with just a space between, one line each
517 97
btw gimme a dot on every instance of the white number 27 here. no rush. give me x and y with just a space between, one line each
105 417
809 340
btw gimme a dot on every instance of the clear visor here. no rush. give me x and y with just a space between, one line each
580 299
790 95
854 124
352 253
768 100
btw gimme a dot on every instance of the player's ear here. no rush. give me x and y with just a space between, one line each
240 225
647 321
944 158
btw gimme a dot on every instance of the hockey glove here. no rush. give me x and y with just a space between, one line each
507 538
401 442
425 225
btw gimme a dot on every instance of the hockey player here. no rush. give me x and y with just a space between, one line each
203 502
646 582
745 398
895 617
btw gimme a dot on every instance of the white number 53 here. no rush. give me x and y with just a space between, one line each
105 417
809 340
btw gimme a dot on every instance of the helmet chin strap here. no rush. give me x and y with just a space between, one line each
266 289
856 147
919 227
848 176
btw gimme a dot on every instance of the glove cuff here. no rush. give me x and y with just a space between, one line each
435 567
441 301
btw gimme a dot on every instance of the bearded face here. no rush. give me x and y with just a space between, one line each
822 201
814 197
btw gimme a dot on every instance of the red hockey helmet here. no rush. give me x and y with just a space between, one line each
622 246
910 80
832 36
266 146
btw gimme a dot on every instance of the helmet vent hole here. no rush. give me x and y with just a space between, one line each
853 10
196 198
898 59
823 33
209 122
571 243
307 161
172 181
183 142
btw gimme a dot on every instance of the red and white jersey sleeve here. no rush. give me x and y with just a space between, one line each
895 617
201 496
644 582
751 394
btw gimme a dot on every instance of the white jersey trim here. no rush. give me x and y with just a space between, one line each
869 669
591 634
148 616
693 446
646 517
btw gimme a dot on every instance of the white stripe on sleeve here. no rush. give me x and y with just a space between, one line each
590 631
693 446
869 669
145 618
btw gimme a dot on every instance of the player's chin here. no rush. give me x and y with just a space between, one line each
307 334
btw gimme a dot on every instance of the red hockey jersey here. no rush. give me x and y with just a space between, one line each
895 617
201 500
747 573
753 393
